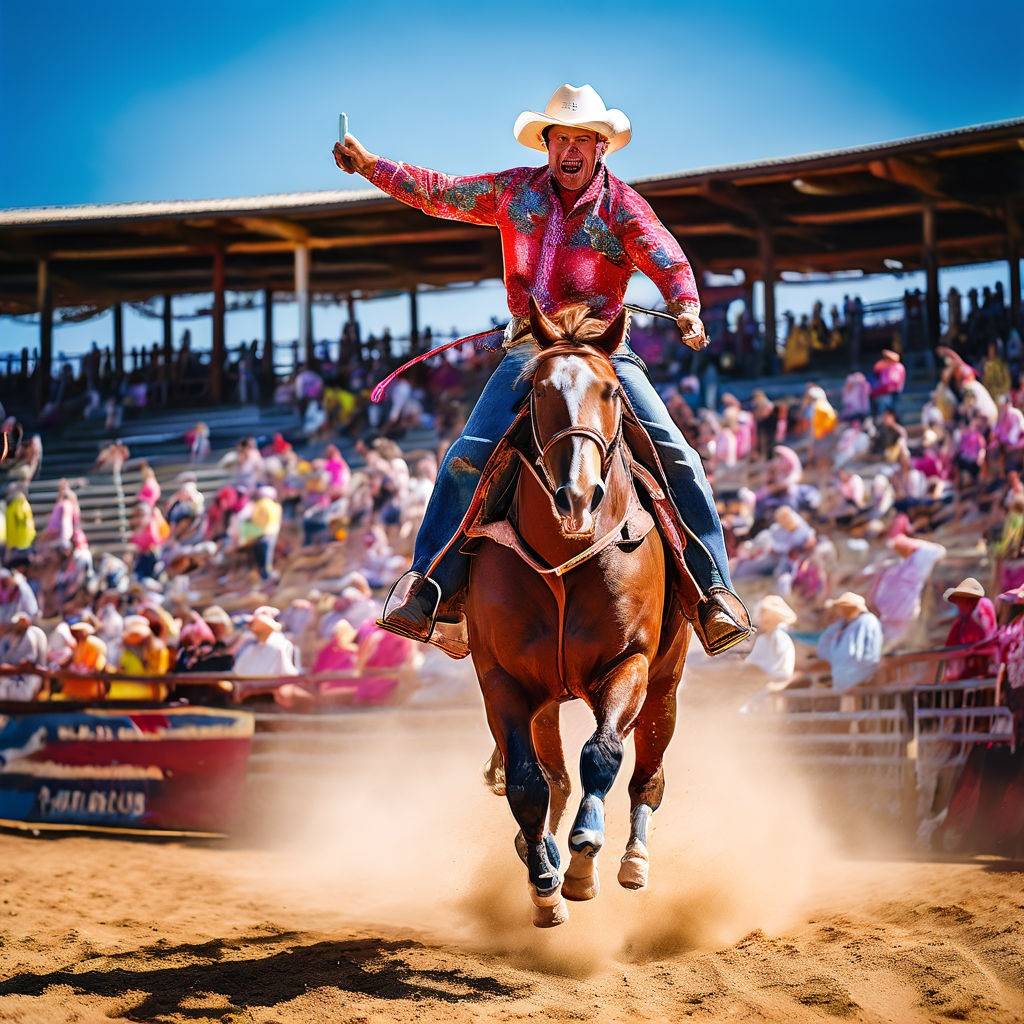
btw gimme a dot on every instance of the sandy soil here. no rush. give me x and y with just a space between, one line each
388 891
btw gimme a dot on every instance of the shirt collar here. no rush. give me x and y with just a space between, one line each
589 196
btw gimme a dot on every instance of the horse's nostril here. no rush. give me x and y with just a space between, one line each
562 502
597 498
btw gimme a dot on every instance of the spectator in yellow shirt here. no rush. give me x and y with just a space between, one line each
265 517
21 524
142 654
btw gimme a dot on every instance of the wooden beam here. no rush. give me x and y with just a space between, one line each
267 357
927 181
276 226
1013 249
872 213
168 368
966 250
414 320
305 308
430 235
125 252
44 302
118 310
218 350
767 254
930 259
724 227
916 176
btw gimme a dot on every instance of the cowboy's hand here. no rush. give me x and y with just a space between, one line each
692 330
353 158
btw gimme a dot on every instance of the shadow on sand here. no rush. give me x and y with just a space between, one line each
233 970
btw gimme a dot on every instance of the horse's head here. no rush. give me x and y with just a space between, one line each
576 409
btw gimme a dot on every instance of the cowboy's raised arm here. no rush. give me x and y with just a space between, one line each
653 249
467 198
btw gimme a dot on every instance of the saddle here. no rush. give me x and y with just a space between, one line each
651 506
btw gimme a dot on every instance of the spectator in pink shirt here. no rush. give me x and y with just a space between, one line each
1009 434
336 468
856 398
149 491
970 452
890 379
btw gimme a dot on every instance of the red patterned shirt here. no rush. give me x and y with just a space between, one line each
587 255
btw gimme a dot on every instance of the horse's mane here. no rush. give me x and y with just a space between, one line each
575 323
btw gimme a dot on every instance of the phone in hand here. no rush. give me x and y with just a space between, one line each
342 127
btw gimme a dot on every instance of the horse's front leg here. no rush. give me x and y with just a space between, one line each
616 701
654 728
510 714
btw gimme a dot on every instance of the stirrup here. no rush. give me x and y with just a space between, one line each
387 609
450 637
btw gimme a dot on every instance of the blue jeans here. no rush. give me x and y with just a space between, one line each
491 417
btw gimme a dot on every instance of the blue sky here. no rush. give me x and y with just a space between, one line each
115 101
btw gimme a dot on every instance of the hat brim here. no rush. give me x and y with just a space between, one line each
614 126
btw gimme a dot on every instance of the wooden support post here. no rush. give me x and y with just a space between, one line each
217 353
44 300
267 355
118 310
414 320
305 309
1013 234
930 260
767 252
167 369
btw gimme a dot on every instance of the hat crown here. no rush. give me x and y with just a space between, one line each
570 102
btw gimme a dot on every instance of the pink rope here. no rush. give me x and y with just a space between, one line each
377 395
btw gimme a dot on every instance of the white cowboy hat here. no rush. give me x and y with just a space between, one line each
970 587
574 108
848 601
773 611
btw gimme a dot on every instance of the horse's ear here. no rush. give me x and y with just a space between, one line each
544 331
612 337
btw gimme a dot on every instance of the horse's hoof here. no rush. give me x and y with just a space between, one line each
634 869
581 880
549 909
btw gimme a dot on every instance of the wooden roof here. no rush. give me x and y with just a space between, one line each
848 209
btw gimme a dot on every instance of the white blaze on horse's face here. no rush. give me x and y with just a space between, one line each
573 462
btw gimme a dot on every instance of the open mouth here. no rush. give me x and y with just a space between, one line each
572 166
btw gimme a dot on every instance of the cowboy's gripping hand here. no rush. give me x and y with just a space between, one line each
353 157
692 330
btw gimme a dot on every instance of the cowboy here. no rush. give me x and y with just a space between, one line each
570 232
975 623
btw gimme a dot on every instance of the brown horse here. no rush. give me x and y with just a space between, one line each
603 629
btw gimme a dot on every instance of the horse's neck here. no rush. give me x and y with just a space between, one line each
540 526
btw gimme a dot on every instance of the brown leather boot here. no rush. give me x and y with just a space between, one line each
414 617
721 621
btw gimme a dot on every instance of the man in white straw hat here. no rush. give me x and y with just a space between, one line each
571 232
852 645
774 653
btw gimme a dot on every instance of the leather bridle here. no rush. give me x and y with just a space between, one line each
606 446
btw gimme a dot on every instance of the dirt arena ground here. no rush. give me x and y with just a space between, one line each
389 891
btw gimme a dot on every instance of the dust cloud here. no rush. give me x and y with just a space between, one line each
401 832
